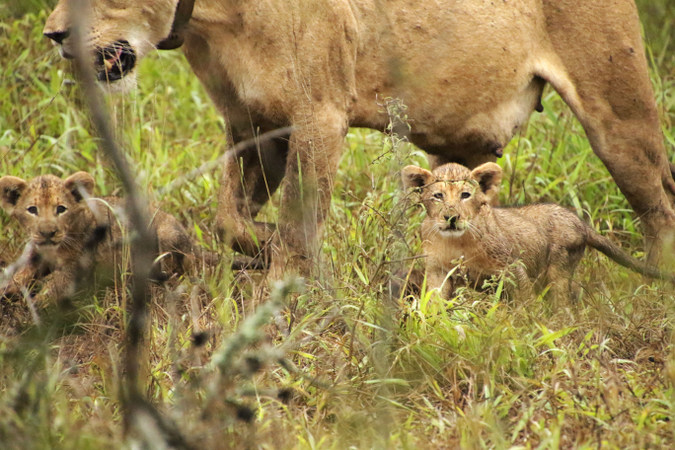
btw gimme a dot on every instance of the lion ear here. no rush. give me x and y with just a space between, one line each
489 177
11 189
416 177
80 184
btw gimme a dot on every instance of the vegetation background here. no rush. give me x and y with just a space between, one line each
338 364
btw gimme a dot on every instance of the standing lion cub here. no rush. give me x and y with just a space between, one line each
70 232
540 244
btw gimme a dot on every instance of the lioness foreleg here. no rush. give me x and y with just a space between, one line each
250 177
315 149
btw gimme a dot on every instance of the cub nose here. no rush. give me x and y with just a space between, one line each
47 234
451 220
58 36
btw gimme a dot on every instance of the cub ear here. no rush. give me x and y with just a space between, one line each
80 184
489 177
416 177
11 189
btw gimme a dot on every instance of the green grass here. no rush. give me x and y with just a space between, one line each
355 369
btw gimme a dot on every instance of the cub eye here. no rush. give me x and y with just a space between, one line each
438 195
32 210
465 195
60 210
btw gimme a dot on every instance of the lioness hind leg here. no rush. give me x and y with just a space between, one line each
605 81
250 177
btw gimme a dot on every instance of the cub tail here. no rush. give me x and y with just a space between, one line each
615 253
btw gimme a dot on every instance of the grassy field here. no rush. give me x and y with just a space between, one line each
352 368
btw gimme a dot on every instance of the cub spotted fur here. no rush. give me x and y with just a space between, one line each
70 232
541 244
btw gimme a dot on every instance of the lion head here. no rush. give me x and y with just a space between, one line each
118 32
53 212
453 195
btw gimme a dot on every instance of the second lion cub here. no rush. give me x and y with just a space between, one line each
70 232
541 244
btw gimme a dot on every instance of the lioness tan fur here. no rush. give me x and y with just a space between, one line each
470 73
71 232
540 244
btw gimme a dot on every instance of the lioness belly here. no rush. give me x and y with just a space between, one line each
466 72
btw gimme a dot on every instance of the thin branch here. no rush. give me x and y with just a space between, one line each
144 246
212 165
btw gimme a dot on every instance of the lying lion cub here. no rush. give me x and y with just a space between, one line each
70 232
540 244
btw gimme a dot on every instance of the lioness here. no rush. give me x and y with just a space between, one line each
541 244
70 232
470 73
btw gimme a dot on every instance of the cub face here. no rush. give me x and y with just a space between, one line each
51 210
453 195
119 33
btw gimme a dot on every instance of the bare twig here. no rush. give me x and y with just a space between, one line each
212 165
136 407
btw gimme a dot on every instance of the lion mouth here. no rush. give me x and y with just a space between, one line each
47 243
451 229
451 232
452 226
115 62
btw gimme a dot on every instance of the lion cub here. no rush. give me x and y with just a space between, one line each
70 232
540 244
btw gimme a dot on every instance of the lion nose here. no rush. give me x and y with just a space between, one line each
451 220
58 36
48 234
